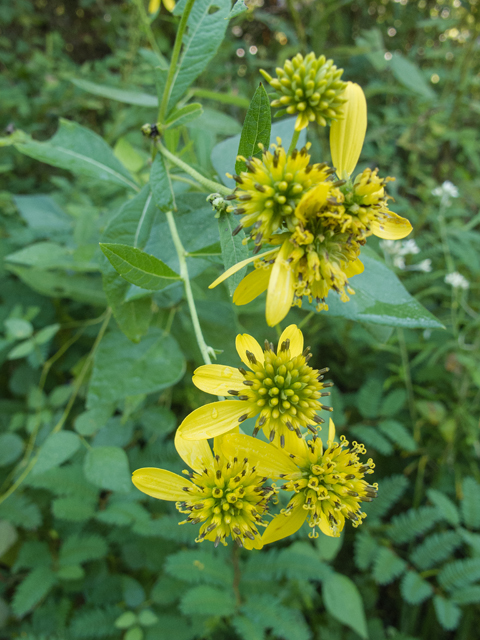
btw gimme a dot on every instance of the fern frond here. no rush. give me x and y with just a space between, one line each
412 523
387 566
448 614
414 588
459 573
434 549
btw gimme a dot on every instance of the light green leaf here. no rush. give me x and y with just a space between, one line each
139 268
256 128
33 589
43 215
18 329
131 158
233 249
107 468
135 633
46 334
8 536
208 601
380 298
398 434
120 95
11 447
79 548
56 449
21 350
198 566
71 572
206 29
448 613
127 619
238 8
186 114
445 505
122 368
147 618
470 504
89 422
467 595
161 185
408 74
73 509
328 547
343 601
387 566
414 588
80 151
50 255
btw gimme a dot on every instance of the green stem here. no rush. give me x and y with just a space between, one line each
73 397
293 144
148 30
210 185
202 345
297 21
408 378
174 61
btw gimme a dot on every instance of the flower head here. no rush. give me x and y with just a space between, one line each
279 388
271 188
328 483
457 281
226 495
308 86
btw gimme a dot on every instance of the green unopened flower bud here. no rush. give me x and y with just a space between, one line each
308 86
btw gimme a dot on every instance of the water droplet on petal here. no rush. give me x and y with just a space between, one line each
214 413
227 372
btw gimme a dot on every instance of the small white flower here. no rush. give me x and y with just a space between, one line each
427 333
390 246
424 265
409 247
399 262
445 192
457 280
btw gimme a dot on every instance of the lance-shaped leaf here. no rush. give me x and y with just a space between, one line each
139 268
120 95
233 249
256 128
186 114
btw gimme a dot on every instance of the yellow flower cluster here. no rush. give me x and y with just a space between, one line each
316 223
228 492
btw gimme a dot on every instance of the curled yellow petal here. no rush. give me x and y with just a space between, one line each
213 419
347 135
391 226
196 453
161 484
354 268
331 431
280 288
251 286
312 201
238 266
283 526
217 379
269 461
244 343
295 336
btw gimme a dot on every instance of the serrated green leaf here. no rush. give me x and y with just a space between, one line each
8 536
414 588
80 151
11 447
470 505
407 526
343 601
369 397
120 95
393 403
372 439
435 548
161 185
398 434
387 566
184 115
208 601
446 506
107 468
268 612
71 572
123 369
467 595
459 573
448 613
73 509
256 128
79 548
245 628
206 29
328 547
139 268
393 488
21 512
57 449
366 549
233 249
34 588
199 566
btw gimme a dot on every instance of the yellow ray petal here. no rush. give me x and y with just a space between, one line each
213 419
218 379
331 430
268 460
295 336
244 343
218 449
153 6
169 5
312 201
251 286
354 268
282 526
160 483
196 453
391 227
347 135
253 544
238 266
280 288
326 528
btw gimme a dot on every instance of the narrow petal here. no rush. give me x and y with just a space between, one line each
251 286
169 5
153 6
196 453
244 343
213 419
238 266
326 528
347 135
295 336
253 544
331 430
280 288
218 379
391 227
269 460
354 268
161 484
283 526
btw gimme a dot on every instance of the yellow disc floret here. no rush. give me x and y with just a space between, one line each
308 86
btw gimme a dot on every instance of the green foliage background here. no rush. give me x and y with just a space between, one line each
88 398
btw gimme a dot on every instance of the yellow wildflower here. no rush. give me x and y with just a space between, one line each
308 86
280 389
227 495
328 483
154 5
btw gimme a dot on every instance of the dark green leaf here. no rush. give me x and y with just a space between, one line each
186 114
408 74
161 185
107 468
11 447
233 249
256 128
208 601
33 589
56 449
343 601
